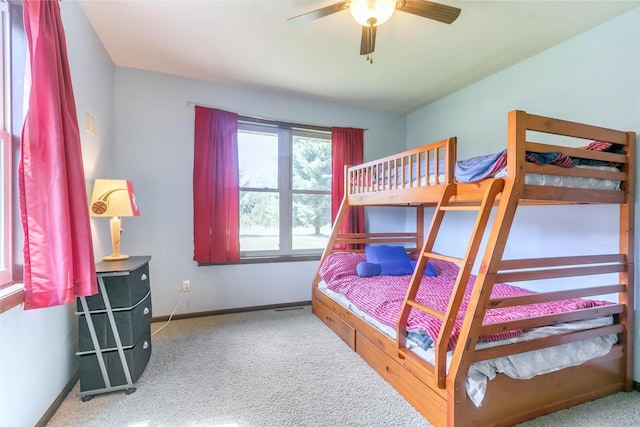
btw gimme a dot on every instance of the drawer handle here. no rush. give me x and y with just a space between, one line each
145 345
143 277
146 310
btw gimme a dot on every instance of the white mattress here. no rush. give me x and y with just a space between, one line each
529 179
569 181
519 366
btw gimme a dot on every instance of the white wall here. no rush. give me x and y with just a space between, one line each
37 347
592 78
154 149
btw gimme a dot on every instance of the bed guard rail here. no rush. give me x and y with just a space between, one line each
424 166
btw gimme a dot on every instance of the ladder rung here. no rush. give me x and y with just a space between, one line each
426 309
444 257
460 208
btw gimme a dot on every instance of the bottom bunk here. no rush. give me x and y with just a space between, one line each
519 355
506 400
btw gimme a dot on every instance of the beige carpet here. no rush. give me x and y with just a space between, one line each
275 368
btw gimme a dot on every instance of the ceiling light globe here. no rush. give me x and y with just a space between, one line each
363 10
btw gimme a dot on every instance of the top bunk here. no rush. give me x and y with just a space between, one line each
546 161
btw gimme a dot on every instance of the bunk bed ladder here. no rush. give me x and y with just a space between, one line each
489 190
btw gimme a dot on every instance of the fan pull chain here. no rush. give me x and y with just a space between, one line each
371 39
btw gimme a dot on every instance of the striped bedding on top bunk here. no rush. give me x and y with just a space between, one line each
494 165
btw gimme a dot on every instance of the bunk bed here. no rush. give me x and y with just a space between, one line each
439 378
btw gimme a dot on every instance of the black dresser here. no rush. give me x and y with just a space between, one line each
115 328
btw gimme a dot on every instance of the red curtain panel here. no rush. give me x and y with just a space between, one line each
58 250
347 148
216 196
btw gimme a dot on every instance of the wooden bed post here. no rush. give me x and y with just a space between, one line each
335 230
627 236
419 226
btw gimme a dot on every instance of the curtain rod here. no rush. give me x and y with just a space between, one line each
277 123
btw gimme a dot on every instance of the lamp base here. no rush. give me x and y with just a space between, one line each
115 257
114 225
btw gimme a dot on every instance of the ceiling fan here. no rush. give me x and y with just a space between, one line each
372 13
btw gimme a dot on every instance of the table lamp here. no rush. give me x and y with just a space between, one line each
113 198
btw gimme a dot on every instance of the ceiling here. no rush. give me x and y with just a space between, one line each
417 61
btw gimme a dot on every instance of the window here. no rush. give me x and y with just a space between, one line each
285 190
13 49
5 213
5 152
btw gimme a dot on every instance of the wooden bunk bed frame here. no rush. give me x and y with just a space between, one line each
440 395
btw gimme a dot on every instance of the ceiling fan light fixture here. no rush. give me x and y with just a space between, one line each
372 12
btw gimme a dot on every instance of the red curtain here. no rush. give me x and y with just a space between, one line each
216 197
58 251
347 148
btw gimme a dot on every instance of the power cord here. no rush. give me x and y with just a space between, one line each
171 315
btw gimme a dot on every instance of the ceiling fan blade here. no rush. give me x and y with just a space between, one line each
431 10
319 13
368 40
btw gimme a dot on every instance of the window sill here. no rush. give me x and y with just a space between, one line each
11 296
270 259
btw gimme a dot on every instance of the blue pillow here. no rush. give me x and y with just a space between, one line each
368 269
393 260
396 268
429 270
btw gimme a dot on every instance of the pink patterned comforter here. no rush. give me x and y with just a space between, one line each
382 296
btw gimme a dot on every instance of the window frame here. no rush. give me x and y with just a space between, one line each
6 263
285 133
11 291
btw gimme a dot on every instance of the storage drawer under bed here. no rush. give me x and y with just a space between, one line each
337 325
418 394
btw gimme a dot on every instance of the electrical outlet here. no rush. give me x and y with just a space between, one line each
90 124
186 286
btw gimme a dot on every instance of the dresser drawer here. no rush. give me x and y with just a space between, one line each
124 290
136 357
131 324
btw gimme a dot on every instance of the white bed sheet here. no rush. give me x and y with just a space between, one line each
518 366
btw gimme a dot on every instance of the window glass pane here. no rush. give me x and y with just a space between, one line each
4 104
258 159
311 221
259 221
5 150
311 163
5 200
